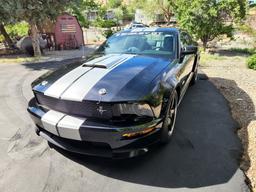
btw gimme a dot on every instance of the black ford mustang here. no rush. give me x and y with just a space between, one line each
122 99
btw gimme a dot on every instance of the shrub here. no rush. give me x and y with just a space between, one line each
107 33
104 23
16 31
251 62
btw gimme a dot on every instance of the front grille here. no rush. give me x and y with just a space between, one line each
83 109
92 111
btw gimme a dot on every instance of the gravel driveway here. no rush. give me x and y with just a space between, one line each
202 156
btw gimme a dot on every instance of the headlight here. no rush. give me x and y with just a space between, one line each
135 109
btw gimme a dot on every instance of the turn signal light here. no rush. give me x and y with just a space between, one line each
138 134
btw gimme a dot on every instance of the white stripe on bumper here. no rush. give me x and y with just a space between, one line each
69 126
62 125
50 120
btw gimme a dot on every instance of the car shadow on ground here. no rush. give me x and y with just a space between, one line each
204 151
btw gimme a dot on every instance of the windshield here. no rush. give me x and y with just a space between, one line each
142 43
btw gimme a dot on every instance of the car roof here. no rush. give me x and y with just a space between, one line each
151 29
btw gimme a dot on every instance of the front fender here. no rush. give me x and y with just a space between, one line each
163 88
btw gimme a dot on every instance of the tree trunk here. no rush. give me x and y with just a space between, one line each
35 40
168 18
7 38
204 45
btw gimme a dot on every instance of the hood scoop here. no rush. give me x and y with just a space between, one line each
108 61
95 65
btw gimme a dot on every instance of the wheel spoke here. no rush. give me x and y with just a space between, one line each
172 115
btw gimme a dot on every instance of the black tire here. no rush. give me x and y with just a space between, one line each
170 119
194 78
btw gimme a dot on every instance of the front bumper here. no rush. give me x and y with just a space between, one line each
91 138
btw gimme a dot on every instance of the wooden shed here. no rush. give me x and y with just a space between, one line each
68 32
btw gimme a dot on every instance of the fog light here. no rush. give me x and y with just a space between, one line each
138 134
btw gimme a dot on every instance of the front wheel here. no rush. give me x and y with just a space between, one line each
170 119
194 78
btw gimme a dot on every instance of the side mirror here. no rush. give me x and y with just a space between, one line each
191 49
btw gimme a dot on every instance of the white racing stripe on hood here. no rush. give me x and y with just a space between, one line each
58 87
78 90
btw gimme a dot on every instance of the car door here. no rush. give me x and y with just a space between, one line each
186 62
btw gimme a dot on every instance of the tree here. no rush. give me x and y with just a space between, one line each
208 19
153 7
166 9
34 12
17 30
81 10
114 4
119 14
7 38
5 18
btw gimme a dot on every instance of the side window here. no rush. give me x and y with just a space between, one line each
185 39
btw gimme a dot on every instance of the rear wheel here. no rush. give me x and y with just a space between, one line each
170 119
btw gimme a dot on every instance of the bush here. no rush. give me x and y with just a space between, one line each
104 23
107 33
251 62
16 31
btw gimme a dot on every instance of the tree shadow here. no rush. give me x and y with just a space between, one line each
229 53
55 64
204 151
50 65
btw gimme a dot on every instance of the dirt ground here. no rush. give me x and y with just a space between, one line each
229 73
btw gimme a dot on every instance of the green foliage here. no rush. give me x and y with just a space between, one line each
107 33
247 29
6 12
34 11
119 13
128 13
16 30
114 4
208 19
153 7
79 9
80 16
104 23
251 62
101 21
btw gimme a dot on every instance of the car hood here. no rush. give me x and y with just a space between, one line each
107 78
